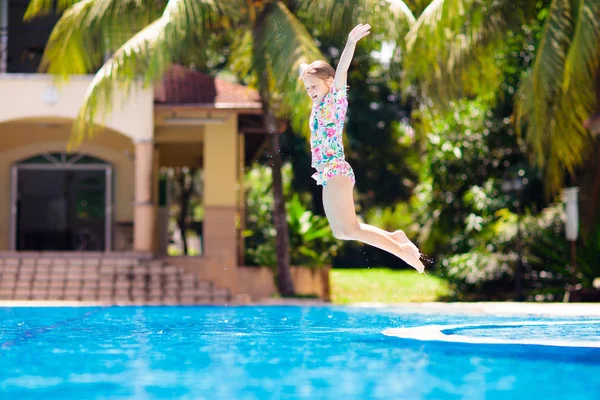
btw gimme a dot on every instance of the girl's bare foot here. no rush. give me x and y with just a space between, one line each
413 255
399 236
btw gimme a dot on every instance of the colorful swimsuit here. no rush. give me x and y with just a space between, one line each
326 126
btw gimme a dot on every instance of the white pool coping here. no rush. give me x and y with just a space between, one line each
436 333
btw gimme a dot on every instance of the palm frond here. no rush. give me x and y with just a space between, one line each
118 20
240 60
553 109
39 8
583 59
281 44
145 57
582 65
390 19
70 50
451 47
91 29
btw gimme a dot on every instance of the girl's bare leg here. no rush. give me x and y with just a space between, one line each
338 202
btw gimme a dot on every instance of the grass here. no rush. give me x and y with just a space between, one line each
385 285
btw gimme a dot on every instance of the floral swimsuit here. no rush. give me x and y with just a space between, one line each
326 126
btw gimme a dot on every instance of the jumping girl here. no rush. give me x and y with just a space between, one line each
327 89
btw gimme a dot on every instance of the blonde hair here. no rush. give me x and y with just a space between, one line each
319 68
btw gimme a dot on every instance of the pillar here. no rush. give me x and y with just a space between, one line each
144 217
241 198
221 198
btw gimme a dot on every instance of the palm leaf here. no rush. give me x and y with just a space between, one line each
91 29
583 60
69 50
390 19
39 8
281 44
581 75
240 60
451 47
145 57
554 127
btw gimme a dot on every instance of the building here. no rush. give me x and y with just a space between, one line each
102 203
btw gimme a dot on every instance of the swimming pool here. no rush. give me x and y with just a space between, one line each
289 352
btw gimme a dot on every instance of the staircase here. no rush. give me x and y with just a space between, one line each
103 279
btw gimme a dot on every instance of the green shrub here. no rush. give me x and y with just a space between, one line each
311 241
540 246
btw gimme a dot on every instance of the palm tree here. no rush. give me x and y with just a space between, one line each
271 41
453 50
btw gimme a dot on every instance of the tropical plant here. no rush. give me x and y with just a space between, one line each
271 43
534 242
312 243
465 41
459 48
259 232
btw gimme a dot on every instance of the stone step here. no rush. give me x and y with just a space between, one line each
110 280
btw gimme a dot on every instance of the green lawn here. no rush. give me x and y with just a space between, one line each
384 285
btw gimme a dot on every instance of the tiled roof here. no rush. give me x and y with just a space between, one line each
181 85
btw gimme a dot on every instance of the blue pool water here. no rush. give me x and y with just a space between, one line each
284 353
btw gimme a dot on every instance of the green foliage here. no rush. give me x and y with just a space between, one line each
390 219
462 48
550 258
259 231
311 241
467 153
537 242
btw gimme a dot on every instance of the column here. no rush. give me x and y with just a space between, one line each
241 198
144 217
220 198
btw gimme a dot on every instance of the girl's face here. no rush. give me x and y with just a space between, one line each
317 88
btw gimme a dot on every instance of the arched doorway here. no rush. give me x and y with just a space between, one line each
61 202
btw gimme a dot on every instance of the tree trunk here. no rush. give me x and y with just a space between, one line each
186 194
593 206
282 240
593 190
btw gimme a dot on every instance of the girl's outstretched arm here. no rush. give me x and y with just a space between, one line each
341 74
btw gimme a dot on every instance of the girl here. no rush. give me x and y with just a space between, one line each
327 89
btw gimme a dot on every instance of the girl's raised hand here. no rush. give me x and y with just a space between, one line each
359 32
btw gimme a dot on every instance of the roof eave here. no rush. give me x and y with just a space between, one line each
246 108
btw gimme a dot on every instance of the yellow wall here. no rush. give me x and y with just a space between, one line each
26 96
19 141
220 164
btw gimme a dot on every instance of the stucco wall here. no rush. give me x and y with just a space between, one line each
32 95
259 282
256 282
19 141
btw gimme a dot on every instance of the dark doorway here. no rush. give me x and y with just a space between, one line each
61 210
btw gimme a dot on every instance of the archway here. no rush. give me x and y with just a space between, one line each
61 202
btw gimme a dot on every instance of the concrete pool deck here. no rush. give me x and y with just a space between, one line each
482 308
